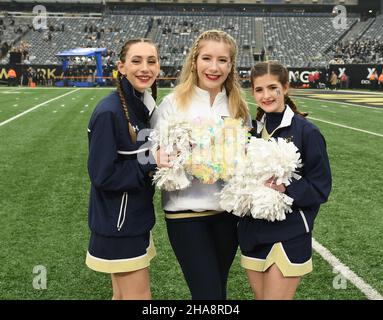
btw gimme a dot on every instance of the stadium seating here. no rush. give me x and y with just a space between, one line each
295 39
301 41
375 31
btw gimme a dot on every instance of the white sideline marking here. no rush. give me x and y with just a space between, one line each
369 93
341 103
358 282
347 127
342 126
34 108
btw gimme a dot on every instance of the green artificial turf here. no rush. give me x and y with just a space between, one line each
44 191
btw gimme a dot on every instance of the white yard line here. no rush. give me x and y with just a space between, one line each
341 103
371 93
341 125
347 127
35 107
358 282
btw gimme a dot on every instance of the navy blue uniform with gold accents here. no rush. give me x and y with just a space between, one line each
121 212
264 242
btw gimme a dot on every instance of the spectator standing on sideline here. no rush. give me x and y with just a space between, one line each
11 77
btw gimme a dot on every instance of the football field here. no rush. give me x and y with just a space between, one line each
44 189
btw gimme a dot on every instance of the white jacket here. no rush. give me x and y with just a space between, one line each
197 197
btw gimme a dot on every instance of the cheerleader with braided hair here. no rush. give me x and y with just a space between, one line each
276 254
204 236
121 212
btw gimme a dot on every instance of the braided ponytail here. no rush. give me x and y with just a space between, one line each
293 106
260 114
120 90
195 51
154 90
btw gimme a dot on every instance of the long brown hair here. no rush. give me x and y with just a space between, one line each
124 50
276 69
189 78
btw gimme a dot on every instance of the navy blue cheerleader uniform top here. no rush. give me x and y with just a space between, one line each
309 192
121 188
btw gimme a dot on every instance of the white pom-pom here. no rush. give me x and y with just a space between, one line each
269 204
175 136
171 179
245 193
274 158
289 160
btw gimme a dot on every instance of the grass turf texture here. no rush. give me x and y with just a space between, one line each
44 191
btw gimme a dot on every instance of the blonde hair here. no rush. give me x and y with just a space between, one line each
189 78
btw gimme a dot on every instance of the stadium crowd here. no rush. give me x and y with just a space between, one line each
369 51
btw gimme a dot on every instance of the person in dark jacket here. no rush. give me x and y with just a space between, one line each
120 165
277 254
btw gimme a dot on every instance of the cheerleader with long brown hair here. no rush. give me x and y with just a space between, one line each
121 212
